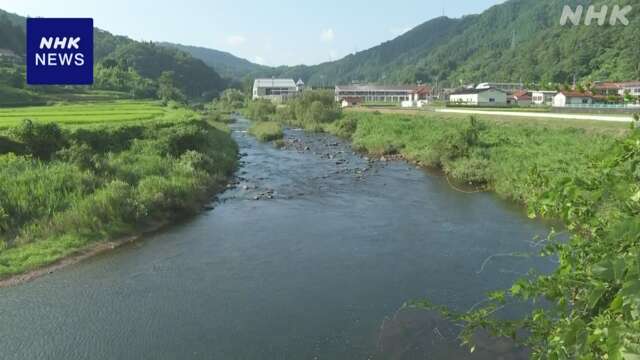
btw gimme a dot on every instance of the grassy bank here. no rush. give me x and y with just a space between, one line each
266 130
65 187
587 176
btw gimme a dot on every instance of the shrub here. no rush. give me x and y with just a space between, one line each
9 146
41 140
474 170
266 131
344 128
260 110
80 155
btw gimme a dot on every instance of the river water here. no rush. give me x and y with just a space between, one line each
310 256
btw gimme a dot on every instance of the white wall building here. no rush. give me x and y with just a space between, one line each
569 98
274 89
632 87
617 88
542 97
381 93
475 97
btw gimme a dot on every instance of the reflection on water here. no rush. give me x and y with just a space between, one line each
423 334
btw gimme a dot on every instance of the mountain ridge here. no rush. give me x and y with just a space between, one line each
518 40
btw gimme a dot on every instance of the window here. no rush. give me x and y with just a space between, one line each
492 100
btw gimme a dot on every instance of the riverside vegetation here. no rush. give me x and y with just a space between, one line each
590 179
588 176
66 185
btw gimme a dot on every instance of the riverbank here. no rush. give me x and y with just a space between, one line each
585 176
73 191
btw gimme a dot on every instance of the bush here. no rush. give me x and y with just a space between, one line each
473 170
9 146
266 131
80 155
41 140
344 128
260 110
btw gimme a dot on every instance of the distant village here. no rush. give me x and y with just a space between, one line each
600 95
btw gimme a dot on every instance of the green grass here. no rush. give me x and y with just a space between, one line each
616 129
510 148
122 111
266 130
111 172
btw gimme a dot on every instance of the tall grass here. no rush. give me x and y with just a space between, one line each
266 130
105 182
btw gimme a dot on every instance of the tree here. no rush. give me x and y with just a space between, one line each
167 90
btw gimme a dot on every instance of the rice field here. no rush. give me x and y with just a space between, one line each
87 113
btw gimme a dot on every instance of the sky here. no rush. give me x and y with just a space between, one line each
281 32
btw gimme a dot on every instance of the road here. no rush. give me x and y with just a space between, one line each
540 115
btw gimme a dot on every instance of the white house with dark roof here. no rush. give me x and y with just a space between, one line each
475 97
572 98
542 97
274 89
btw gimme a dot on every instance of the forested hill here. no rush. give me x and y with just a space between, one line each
11 33
140 68
224 63
519 40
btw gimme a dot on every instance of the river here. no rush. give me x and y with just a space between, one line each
309 257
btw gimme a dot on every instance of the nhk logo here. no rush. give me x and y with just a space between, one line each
59 51
617 15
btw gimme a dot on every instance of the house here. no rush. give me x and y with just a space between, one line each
490 96
572 98
541 97
617 88
419 97
519 97
350 101
300 85
278 90
630 87
378 93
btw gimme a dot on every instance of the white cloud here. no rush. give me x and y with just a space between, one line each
236 40
333 55
259 60
399 30
327 35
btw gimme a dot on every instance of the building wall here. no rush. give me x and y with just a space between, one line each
373 95
561 100
468 99
277 94
633 90
542 98
492 97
